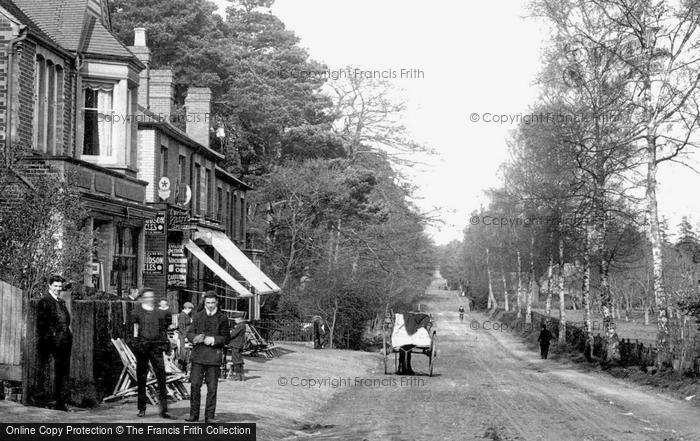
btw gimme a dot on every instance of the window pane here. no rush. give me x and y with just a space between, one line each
51 110
163 161
219 202
209 195
241 228
196 196
91 143
97 131
41 122
104 108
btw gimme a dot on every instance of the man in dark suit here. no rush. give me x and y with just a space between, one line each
149 343
209 332
544 338
319 333
55 340
183 322
237 344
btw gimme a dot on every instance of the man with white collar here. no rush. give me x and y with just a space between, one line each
209 332
55 340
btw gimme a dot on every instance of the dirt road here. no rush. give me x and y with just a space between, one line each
490 386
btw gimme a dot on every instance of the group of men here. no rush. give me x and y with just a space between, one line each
207 330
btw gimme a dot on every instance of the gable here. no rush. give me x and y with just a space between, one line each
77 25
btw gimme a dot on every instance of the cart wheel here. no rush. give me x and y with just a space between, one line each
433 354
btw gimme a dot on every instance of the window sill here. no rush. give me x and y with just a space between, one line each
107 162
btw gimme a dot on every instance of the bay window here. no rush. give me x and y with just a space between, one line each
98 119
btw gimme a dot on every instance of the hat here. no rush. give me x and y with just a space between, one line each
188 305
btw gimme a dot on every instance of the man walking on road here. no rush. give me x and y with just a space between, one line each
209 332
319 333
55 340
183 322
150 341
237 343
543 339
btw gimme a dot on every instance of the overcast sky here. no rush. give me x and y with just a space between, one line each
477 58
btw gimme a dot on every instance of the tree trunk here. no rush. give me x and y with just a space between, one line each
660 300
645 307
585 296
491 300
548 302
505 290
332 330
607 310
520 288
290 263
562 298
530 281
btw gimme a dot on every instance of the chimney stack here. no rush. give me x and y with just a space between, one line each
144 55
198 105
162 91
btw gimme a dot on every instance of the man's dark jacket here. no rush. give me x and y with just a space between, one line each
53 321
238 336
545 337
210 326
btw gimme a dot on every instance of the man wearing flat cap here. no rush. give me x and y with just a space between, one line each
209 332
183 322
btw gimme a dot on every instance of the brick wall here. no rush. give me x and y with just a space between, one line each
161 92
5 36
146 160
68 110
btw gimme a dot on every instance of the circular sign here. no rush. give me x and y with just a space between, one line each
188 195
164 184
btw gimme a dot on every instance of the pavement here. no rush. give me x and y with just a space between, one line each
276 394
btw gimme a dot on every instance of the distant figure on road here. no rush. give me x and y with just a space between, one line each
461 313
543 339
405 360
319 333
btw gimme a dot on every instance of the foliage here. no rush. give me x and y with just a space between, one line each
343 240
42 227
267 101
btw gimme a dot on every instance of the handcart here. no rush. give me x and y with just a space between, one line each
422 341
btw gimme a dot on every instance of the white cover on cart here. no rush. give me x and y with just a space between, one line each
399 336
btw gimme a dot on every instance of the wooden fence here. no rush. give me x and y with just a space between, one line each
11 332
284 330
632 353
95 364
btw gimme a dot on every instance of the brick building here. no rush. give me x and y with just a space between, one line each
62 71
164 213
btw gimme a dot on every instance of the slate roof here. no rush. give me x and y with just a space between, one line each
65 21
22 17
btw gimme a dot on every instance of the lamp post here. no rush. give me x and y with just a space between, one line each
221 134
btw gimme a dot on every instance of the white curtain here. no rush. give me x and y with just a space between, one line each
105 121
